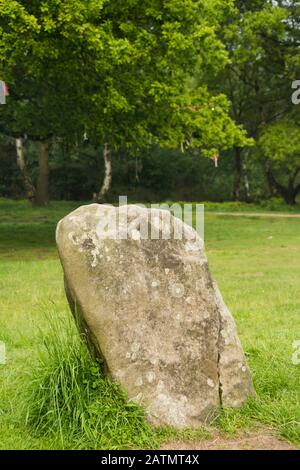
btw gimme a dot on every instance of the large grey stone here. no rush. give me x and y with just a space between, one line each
151 310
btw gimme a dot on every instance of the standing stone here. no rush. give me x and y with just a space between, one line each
150 309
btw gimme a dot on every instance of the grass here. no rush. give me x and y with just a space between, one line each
270 205
52 394
274 205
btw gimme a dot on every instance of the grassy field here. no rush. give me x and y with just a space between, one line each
51 393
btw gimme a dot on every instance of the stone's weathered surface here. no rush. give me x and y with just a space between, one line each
153 313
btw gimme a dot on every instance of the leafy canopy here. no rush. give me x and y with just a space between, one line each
118 70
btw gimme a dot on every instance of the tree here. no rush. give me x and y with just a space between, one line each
118 71
262 39
280 143
42 104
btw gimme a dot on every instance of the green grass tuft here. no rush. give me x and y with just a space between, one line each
73 403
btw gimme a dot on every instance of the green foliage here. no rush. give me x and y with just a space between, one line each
280 143
192 74
120 73
262 39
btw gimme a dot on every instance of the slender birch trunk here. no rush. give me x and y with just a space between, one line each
42 190
21 162
101 196
238 174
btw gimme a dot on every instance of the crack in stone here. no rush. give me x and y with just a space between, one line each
219 359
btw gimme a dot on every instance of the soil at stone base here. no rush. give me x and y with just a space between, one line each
261 440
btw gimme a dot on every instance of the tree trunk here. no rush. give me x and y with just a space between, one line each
101 196
238 174
289 193
42 190
246 180
292 189
21 162
289 196
270 179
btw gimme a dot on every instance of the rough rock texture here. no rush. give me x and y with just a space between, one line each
153 313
